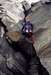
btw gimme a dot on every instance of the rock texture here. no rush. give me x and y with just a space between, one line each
41 18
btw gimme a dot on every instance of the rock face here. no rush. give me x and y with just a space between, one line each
11 61
4 54
44 1
41 18
13 15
